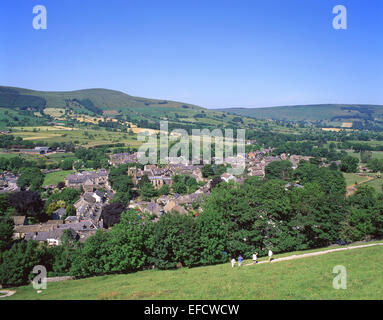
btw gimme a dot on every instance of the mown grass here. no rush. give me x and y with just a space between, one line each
308 278
56 177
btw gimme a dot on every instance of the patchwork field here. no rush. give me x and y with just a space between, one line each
85 138
308 278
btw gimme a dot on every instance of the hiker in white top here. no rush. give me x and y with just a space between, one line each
233 263
270 255
255 254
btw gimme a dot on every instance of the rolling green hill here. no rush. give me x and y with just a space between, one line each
307 278
102 99
324 112
20 107
104 102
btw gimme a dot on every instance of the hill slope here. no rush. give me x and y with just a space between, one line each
116 104
308 278
326 112
103 99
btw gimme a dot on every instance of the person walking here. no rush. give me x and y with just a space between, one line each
240 260
233 263
270 255
255 256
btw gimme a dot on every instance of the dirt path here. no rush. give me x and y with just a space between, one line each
6 293
318 253
350 190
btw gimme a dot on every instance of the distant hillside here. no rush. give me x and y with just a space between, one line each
97 102
97 99
324 112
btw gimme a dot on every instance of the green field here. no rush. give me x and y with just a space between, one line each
373 143
377 155
377 184
56 177
354 154
352 178
308 278
87 138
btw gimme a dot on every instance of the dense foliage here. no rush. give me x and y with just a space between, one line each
27 203
31 178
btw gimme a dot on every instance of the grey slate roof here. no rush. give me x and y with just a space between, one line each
58 214
45 235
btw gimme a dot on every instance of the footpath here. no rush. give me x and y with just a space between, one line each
318 253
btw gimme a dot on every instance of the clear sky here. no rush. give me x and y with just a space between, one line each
213 53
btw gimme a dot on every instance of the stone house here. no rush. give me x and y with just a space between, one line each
52 237
84 228
170 205
20 220
159 181
227 177
154 209
20 231
294 159
89 207
88 180
122 158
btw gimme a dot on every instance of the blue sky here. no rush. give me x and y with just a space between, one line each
213 53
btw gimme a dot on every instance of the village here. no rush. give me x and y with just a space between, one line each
97 193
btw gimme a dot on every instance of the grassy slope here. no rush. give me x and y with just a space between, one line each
120 103
309 278
304 112
102 98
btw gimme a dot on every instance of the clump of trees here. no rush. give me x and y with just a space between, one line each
349 164
375 165
28 203
111 213
364 218
184 184
31 178
212 171
95 158
123 249
279 170
121 183
64 198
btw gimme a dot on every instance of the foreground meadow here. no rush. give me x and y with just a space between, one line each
308 278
